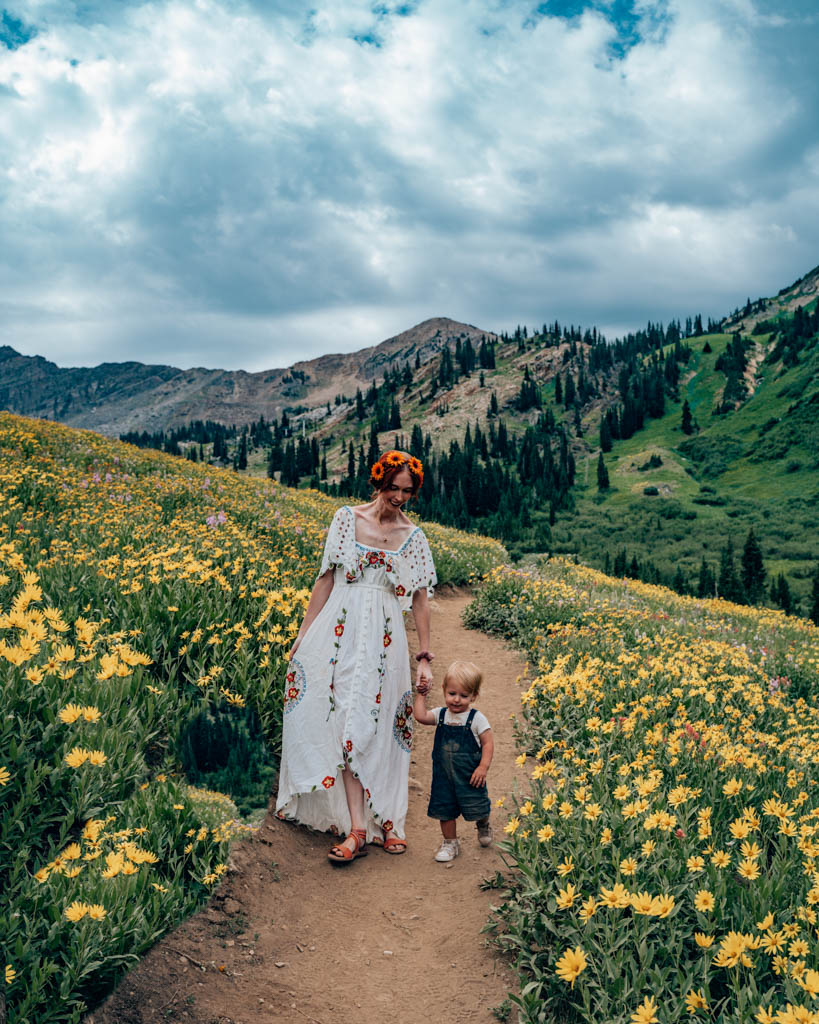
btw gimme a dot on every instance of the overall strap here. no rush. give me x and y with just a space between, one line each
470 716
441 716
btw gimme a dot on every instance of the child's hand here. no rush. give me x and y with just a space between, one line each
478 777
423 677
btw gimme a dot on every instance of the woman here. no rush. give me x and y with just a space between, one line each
348 702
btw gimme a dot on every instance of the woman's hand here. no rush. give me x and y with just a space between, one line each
294 648
423 677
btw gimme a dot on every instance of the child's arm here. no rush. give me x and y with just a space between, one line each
487 750
419 711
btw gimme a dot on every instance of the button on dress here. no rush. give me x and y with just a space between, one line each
348 696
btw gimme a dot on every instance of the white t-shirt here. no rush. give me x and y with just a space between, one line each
480 723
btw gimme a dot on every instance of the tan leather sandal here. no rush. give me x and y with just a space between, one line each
395 845
341 854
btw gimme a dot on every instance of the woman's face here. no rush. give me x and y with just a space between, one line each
399 491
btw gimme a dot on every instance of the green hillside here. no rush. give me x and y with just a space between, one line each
509 427
757 466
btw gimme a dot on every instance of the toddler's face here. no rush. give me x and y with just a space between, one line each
457 698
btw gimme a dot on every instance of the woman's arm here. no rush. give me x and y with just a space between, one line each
487 750
420 712
318 599
420 610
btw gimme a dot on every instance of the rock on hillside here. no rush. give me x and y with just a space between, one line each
114 398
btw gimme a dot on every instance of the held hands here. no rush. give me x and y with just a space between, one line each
423 677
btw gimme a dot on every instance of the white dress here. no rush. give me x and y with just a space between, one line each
348 697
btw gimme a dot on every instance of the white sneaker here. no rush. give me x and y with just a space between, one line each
448 850
485 834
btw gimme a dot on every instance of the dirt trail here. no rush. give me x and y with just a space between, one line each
290 937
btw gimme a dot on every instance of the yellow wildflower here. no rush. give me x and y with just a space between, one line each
570 965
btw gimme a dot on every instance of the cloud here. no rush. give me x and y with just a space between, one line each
244 184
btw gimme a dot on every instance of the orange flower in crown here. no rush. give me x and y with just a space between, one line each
391 462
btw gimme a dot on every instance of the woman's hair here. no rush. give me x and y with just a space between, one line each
383 472
467 674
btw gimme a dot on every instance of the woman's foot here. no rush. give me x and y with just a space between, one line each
448 850
355 845
394 844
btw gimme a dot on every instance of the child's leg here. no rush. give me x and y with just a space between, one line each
449 829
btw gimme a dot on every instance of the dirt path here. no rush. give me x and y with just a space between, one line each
288 937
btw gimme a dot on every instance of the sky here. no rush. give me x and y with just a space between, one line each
246 183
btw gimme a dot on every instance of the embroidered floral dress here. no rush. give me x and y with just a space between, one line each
348 697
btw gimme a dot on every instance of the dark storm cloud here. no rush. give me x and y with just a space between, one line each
247 183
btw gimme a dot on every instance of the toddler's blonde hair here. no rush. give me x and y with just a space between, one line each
467 674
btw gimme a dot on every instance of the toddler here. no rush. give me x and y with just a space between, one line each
460 757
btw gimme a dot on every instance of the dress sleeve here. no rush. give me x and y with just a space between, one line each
339 548
421 568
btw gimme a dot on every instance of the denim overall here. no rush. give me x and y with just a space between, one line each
455 756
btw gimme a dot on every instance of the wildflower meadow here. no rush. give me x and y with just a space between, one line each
665 851
135 589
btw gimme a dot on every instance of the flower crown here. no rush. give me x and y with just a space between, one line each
394 460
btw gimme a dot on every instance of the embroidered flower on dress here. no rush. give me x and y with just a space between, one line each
328 781
348 746
339 630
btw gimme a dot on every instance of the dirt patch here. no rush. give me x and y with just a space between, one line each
290 937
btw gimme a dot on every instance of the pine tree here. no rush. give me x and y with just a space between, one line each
687 422
781 594
679 583
602 474
705 581
605 434
558 390
729 585
753 569
359 404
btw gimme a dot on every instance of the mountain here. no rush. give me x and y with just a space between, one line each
115 398
679 492
704 433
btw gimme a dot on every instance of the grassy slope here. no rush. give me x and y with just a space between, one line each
771 495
